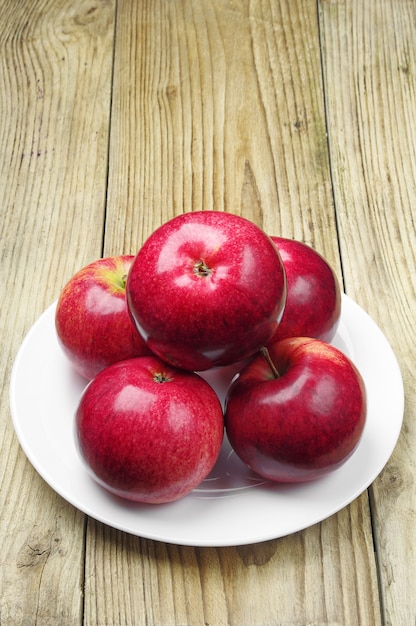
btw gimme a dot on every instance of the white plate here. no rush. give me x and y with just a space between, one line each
232 506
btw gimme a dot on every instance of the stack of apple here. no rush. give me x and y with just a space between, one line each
209 289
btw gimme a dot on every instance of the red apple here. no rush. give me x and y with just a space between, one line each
206 289
313 303
147 431
298 413
92 321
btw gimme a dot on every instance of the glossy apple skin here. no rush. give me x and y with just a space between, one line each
92 321
303 424
207 289
313 302
149 432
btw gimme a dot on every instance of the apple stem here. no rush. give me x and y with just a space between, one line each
161 377
202 269
264 351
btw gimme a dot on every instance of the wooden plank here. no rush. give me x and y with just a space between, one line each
204 120
55 80
369 52
220 106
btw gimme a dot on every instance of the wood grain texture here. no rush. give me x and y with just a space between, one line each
219 106
369 53
55 81
117 115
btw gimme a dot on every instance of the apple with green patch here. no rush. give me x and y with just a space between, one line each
93 325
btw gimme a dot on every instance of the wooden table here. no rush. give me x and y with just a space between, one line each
117 115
